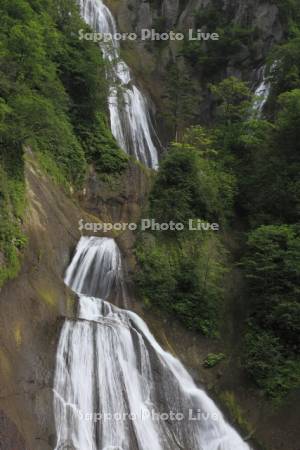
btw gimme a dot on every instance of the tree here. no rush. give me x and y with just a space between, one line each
233 98
191 183
272 344
181 101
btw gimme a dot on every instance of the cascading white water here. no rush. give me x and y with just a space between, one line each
115 388
96 270
131 123
262 92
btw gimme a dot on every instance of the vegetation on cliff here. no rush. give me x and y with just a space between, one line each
242 168
182 271
52 99
210 58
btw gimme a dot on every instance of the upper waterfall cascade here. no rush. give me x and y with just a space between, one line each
130 118
115 388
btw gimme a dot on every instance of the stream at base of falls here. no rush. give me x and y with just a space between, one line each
115 388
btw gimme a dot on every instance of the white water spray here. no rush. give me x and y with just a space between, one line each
115 388
262 92
131 123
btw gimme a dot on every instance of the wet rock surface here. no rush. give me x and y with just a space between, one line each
120 201
32 307
10 438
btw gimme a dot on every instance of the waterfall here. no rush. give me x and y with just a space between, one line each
96 270
115 388
262 92
130 119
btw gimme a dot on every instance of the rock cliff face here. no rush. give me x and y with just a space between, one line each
33 306
134 15
10 437
151 60
140 13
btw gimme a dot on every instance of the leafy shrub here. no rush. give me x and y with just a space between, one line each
191 184
156 280
271 366
213 359
183 277
182 271
12 240
101 148
272 267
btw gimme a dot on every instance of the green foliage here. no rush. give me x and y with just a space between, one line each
257 150
48 164
288 122
50 131
253 162
263 354
199 292
234 99
284 59
213 359
273 259
101 148
264 155
12 240
182 271
270 189
235 411
209 58
53 94
81 68
289 11
234 133
274 370
191 183
183 277
52 86
272 266
176 194
181 101
285 72
156 280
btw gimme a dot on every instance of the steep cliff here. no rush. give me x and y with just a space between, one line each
34 304
112 188
247 33
33 307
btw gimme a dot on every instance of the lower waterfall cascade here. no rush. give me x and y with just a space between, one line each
115 388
